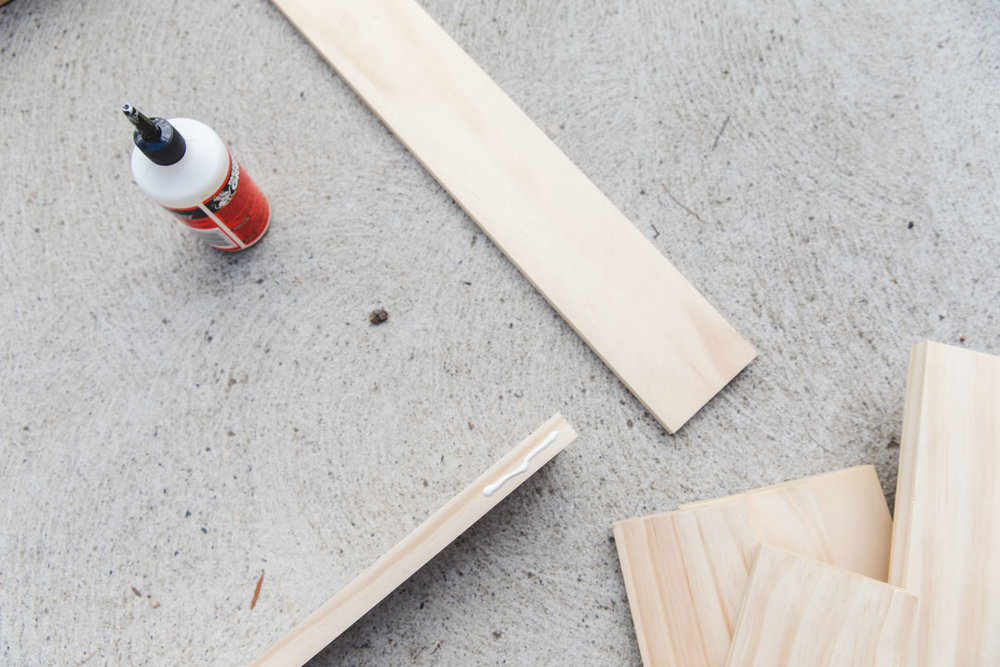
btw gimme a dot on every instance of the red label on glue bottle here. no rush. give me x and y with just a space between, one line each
185 167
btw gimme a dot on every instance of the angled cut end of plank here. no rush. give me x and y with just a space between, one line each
652 328
409 555
946 535
685 572
798 611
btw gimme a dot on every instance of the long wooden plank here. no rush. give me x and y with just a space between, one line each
409 555
798 611
635 310
946 536
685 572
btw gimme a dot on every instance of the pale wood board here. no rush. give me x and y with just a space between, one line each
798 611
665 342
946 536
845 502
412 552
685 571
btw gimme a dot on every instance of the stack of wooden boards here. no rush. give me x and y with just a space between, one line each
814 572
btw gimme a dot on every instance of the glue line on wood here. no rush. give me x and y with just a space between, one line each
523 468
652 328
413 551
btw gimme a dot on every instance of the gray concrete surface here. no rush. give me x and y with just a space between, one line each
177 420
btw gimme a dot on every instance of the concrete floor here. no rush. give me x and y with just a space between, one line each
176 420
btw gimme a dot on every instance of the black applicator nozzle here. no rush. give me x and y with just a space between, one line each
155 137
146 128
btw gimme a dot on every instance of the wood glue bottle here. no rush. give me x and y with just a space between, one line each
185 167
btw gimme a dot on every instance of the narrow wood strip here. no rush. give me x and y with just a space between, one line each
798 611
635 310
409 555
685 572
946 537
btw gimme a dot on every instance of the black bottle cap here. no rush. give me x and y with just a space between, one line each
155 137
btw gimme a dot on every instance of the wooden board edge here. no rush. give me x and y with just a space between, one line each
372 585
823 476
631 592
906 467
722 500
746 354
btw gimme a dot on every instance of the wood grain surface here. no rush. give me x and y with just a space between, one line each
176 420
849 504
799 612
685 572
412 552
564 235
946 536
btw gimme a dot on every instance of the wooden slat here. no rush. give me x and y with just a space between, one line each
635 310
845 503
685 572
409 555
798 611
946 537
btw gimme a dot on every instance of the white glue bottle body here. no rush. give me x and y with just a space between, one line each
185 167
